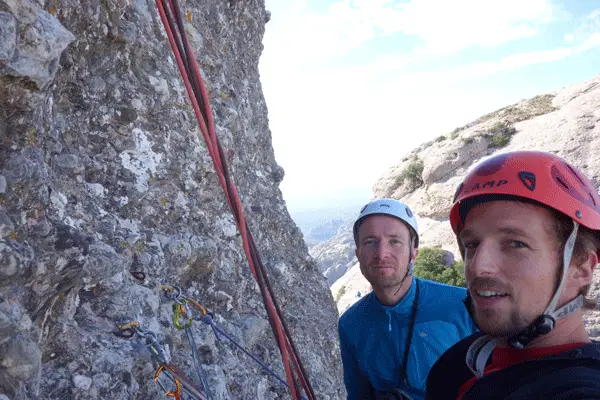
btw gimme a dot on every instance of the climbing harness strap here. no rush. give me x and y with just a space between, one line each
166 367
411 327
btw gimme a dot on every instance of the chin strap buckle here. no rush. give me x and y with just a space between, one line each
541 326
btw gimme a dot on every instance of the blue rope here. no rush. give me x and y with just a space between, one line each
199 370
207 319
175 295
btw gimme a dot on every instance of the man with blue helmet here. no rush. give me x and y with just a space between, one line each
392 336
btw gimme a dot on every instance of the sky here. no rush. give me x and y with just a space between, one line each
352 86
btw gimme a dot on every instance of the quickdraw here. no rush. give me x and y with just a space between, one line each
179 320
166 367
182 320
174 294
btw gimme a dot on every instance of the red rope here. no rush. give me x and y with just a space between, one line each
206 124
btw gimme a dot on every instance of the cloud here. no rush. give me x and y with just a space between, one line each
339 121
585 37
590 43
588 32
510 62
310 37
306 41
448 26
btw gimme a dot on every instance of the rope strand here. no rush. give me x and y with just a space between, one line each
173 23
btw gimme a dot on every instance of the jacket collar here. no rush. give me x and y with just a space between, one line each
404 305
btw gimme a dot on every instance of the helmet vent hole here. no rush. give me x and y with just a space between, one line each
562 182
576 174
592 198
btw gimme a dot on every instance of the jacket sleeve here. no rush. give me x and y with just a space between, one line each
357 385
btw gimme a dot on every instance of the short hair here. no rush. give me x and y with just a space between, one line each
587 241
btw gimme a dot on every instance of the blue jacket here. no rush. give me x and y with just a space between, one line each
373 337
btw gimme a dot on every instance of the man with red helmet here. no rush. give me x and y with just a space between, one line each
528 226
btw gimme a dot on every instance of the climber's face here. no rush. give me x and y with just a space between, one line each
511 264
384 250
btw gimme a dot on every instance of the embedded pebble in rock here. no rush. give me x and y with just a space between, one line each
82 382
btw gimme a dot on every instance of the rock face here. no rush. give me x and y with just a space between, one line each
349 288
325 231
103 173
336 255
565 122
320 225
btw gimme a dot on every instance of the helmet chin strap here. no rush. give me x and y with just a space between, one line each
481 349
547 321
409 271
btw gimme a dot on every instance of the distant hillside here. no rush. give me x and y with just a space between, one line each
565 122
320 225
336 255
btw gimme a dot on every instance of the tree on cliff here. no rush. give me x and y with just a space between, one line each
430 264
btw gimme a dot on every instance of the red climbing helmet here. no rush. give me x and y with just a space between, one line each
542 177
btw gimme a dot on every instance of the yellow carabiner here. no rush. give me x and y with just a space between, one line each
178 317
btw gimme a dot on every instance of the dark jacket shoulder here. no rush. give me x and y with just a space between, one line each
450 371
573 374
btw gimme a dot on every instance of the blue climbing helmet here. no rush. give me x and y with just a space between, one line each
391 207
